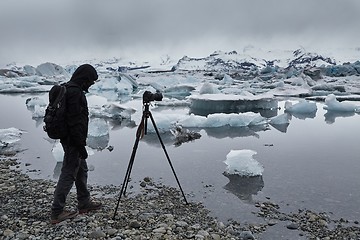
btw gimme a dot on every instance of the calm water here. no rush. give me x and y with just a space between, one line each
314 164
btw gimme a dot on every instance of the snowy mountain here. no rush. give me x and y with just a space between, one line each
251 61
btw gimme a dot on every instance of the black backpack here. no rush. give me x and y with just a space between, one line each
55 113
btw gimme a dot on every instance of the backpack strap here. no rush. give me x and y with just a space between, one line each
59 96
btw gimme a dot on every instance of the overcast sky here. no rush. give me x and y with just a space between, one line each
38 31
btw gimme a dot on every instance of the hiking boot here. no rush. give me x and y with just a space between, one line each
90 206
56 218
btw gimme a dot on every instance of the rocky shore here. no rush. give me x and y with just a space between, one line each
158 212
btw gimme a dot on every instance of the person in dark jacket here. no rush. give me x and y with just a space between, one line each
74 169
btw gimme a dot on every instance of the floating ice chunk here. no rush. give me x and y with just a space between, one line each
222 119
209 88
231 102
112 110
130 79
302 106
35 101
113 83
227 80
182 90
241 162
29 70
183 135
98 127
9 136
332 104
50 69
98 135
58 152
95 100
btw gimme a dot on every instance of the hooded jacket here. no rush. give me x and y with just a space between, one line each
77 113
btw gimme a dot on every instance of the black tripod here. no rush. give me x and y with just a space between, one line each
142 130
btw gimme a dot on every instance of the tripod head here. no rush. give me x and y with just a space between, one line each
149 96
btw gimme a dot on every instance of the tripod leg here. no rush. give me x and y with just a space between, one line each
167 156
130 165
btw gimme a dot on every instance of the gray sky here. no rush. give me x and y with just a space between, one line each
38 31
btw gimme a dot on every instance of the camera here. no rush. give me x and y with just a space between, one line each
149 96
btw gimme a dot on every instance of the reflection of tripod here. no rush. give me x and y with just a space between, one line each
142 130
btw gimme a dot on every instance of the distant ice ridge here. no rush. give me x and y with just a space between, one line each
241 162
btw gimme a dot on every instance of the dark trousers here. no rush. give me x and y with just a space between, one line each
73 170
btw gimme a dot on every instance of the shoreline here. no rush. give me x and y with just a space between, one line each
158 212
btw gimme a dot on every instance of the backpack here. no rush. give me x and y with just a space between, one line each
55 113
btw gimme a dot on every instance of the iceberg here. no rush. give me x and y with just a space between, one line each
242 163
216 103
222 119
98 135
302 106
9 136
332 104
58 153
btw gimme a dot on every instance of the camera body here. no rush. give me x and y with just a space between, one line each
149 96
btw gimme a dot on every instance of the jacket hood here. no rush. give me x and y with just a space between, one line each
84 76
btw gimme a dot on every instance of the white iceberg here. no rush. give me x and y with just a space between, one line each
332 104
8 136
302 106
241 162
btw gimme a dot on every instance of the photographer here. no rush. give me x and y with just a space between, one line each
74 169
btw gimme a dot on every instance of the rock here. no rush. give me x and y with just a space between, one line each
292 226
8 233
247 235
134 224
97 234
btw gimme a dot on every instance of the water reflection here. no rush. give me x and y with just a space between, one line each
330 116
304 116
244 187
232 132
281 127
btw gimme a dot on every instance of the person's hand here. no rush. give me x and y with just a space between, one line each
83 153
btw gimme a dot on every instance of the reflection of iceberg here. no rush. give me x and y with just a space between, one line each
244 187
216 103
227 131
332 104
330 116
242 163
57 170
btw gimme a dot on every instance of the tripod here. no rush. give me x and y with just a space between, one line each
142 130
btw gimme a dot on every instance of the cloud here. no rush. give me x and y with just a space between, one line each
41 30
